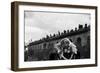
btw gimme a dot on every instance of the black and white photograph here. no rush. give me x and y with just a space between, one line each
53 36
56 35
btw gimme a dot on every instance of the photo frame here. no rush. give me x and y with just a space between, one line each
52 36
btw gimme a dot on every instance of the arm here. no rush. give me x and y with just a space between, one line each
56 46
71 55
61 55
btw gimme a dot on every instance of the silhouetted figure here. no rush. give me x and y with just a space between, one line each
80 54
25 55
87 48
54 56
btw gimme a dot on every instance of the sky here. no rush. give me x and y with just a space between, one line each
40 24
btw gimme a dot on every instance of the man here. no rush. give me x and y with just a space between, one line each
66 49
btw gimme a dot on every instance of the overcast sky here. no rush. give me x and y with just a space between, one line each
39 24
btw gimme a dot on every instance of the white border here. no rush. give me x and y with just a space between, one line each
33 64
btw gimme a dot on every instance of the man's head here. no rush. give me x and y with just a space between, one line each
65 42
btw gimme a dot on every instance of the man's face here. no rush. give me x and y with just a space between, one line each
66 43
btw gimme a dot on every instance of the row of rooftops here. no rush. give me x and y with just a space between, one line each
81 29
